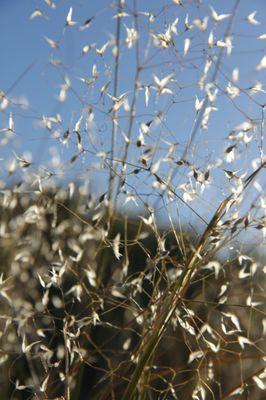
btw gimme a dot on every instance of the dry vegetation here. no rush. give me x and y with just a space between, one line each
99 300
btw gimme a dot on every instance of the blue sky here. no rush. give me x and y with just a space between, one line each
24 47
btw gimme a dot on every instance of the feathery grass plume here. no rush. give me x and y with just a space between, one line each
132 206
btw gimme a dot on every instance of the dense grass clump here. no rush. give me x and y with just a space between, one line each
81 307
